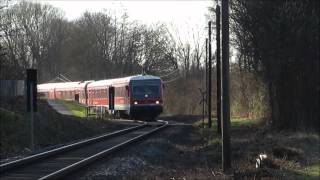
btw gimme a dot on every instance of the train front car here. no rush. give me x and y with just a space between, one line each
146 97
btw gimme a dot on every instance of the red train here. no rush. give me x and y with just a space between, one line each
136 97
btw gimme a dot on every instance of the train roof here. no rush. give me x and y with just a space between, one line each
62 85
109 82
144 77
81 84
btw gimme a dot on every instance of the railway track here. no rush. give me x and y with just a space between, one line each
57 163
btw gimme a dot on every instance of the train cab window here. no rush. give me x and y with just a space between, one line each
151 90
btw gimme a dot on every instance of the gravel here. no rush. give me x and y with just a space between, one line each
118 167
169 154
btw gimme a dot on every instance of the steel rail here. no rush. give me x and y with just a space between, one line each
71 168
27 160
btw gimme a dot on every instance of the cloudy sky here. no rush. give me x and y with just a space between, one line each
184 17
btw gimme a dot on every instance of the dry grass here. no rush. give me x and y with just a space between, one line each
51 128
291 155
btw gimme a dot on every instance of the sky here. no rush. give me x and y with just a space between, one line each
183 18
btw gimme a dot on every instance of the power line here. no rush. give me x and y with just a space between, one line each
170 73
64 77
172 80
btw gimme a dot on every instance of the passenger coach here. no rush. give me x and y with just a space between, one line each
139 97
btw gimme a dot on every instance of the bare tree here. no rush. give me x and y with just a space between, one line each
26 28
279 42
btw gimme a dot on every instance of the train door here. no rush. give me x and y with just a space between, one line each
111 98
76 97
127 99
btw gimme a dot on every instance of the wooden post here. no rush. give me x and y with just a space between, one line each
218 67
31 93
226 154
209 79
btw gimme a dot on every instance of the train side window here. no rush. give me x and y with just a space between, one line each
118 92
115 91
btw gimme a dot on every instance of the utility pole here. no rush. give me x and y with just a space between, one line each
226 153
207 70
218 66
209 79
203 101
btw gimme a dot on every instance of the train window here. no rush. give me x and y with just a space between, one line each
122 91
117 91
143 90
103 91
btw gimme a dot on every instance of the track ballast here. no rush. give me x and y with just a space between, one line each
62 161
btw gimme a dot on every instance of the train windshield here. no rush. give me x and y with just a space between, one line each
146 89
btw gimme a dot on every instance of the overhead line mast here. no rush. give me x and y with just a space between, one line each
209 79
226 152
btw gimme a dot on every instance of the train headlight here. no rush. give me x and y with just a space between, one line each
157 102
135 102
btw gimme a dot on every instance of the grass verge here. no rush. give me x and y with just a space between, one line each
291 154
308 172
77 109
50 128
235 122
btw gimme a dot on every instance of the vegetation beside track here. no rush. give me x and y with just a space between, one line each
77 109
13 136
292 154
50 128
